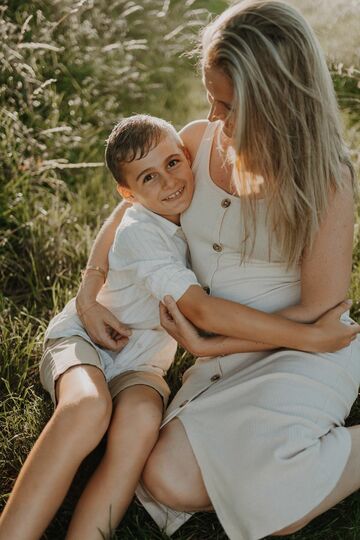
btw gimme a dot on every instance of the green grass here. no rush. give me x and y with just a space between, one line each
95 63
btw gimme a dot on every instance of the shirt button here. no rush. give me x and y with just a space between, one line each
206 289
215 377
184 403
217 247
225 203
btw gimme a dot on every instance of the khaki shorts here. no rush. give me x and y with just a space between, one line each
64 353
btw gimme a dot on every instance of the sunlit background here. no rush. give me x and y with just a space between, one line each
69 71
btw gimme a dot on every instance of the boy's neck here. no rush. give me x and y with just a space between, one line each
173 218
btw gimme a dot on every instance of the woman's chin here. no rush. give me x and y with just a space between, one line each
227 132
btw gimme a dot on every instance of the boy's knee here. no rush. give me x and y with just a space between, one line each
86 418
142 417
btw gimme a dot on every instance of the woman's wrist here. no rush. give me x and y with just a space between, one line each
311 338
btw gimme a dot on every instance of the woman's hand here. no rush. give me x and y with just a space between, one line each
330 333
185 333
103 327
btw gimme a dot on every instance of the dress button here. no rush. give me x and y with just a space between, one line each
215 377
225 203
184 403
217 247
206 289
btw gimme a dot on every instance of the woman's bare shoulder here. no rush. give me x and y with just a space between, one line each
192 134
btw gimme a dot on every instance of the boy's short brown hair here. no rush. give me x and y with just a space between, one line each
133 138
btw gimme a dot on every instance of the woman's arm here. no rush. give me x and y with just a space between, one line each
174 322
322 288
185 333
228 318
326 269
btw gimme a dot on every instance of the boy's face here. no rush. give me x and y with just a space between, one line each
162 181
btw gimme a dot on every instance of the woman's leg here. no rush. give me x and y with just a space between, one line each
348 483
76 427
172 475
133 432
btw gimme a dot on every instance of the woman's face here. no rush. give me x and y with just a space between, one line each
220 95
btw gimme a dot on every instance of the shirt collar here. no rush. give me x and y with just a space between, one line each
170 228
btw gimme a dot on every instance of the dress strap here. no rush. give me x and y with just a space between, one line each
202 158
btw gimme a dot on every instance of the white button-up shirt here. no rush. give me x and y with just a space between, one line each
147 261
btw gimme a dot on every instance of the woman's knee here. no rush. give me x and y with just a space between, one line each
172 485
158 479
291 529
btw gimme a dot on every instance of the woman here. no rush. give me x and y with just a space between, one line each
259 436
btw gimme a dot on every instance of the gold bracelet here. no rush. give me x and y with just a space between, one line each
94 269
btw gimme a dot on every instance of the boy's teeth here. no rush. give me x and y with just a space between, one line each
175 194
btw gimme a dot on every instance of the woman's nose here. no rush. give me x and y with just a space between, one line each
214 113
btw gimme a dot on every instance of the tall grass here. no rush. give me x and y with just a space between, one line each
69 70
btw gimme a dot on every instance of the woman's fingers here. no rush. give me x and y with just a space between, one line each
172 308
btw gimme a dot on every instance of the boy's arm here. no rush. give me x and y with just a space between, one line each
102 326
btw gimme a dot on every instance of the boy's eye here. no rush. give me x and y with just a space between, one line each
148 177
173 162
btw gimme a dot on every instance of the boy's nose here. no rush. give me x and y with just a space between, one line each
169 180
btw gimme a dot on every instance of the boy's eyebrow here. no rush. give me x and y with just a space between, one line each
151 168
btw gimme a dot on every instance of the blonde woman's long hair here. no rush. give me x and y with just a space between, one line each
287 125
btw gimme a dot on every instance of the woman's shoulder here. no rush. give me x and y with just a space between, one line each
192 134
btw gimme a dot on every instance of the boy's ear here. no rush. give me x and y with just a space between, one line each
125 193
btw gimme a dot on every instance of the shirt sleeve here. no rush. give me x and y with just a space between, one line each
153 261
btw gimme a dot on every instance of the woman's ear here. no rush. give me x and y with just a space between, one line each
125 193
187 154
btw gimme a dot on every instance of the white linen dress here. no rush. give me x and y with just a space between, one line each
267 429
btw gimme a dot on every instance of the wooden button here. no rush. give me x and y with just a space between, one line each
217 247
225 203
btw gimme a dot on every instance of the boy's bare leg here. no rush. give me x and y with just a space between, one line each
133 431
76 427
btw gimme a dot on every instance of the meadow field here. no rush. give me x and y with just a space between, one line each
69 70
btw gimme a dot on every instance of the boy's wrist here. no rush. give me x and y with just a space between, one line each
88 291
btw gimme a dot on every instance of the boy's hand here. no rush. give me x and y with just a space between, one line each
330 333
103 327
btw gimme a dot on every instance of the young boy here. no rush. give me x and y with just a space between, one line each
148 161
147 262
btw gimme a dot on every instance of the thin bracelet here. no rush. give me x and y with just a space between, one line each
81 313
94 269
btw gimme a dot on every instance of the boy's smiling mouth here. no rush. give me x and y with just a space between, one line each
175 195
